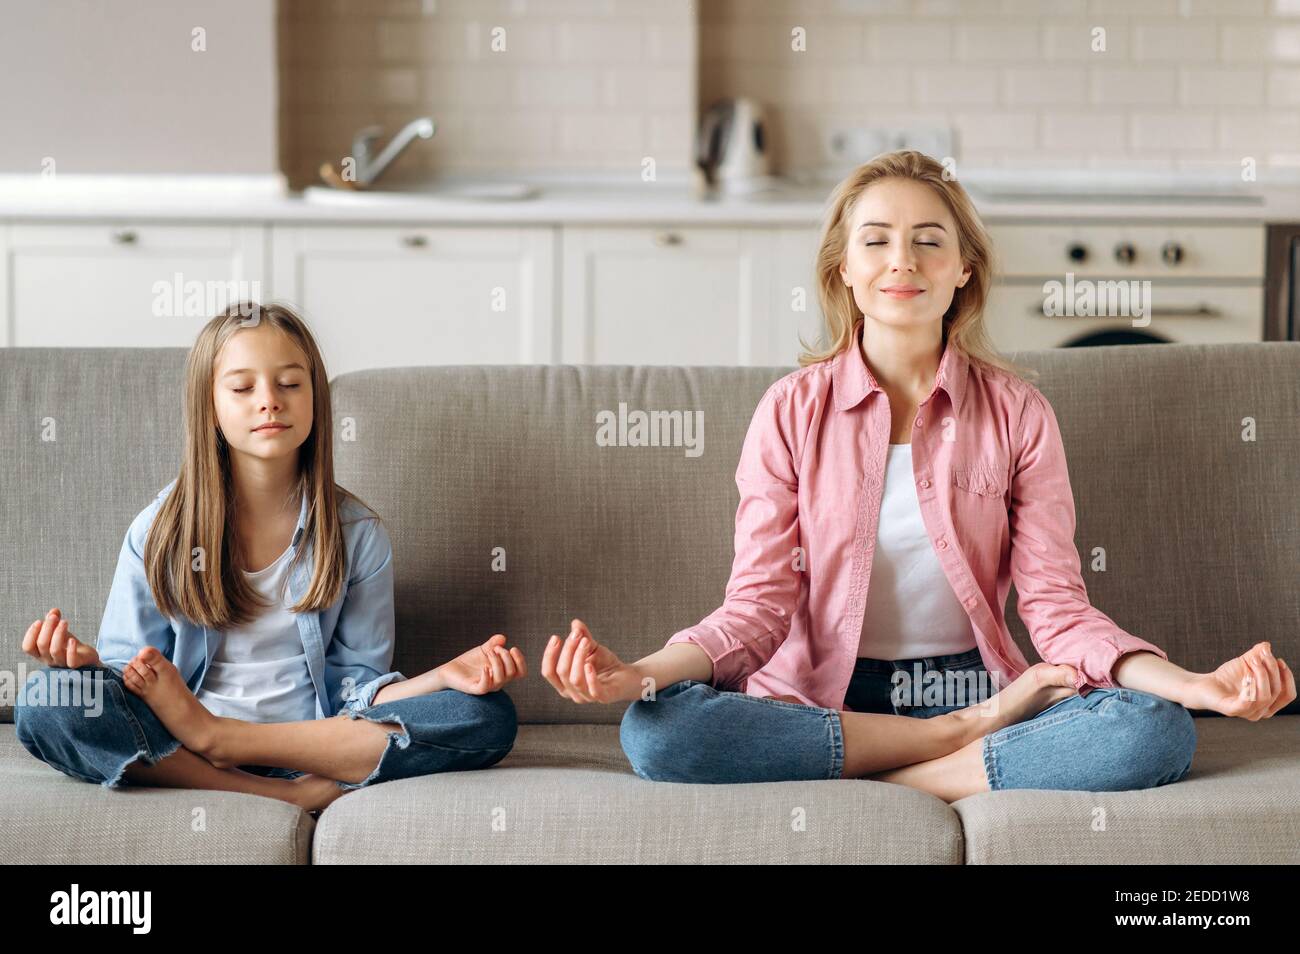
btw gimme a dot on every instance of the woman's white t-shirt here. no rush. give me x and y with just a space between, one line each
911 609
259 672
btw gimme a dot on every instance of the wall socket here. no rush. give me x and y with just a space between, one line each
856 145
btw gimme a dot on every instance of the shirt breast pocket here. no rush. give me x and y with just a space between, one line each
983 480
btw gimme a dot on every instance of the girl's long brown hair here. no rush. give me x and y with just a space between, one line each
200 510
963 323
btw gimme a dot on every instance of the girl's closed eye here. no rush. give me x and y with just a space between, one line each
250 387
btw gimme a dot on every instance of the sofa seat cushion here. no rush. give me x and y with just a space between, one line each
566 793
1240 804
48 818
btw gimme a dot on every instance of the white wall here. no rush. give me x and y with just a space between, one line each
113 86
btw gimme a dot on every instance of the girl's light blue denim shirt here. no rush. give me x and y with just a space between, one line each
349 646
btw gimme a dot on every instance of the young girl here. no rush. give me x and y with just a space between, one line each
908 455
253 599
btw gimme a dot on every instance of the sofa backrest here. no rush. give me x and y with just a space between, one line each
507 515
88 436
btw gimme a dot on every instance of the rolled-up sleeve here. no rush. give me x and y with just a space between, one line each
1051 598
131 619
360 649
763 591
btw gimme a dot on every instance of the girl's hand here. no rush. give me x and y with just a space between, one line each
50 641
1253 686
484 668
582 670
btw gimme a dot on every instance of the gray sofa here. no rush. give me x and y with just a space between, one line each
1201 531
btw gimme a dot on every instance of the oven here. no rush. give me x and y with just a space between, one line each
1199 282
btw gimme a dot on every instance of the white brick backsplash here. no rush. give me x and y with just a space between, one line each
1099 42
671 44
1284 87
849 85
556 88
1133 86
1182 42
1235 8
1222 87
1187 130
1130 8
995 130
1250 134
597 134
499 132
915 42
1056 85
658 88
597 84
600 42
471 86
670 140
1000 43
960 86
1085 133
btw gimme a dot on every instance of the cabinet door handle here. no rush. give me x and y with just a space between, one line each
414 241
664 239
124 236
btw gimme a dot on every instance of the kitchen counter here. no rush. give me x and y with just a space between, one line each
244 199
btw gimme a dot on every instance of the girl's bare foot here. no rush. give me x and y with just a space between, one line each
314 792
153 677
1040 686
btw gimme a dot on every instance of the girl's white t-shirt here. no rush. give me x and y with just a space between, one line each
911 609
259 672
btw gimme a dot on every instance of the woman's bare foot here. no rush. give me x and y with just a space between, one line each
152 677
1040 686
314 792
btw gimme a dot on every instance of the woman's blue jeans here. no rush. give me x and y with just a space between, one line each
441 731
1110 740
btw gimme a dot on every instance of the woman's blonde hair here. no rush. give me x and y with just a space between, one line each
963 323
200 510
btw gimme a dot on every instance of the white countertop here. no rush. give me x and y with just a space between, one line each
263 198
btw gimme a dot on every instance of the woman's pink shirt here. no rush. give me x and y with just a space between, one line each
994 492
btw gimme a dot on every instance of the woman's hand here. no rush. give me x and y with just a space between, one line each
1253 686
50 641
484 668
582 670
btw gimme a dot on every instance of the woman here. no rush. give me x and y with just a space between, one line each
253 599
908 455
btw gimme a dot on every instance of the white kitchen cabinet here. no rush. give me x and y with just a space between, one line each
121 285
379 296
796 309
667 295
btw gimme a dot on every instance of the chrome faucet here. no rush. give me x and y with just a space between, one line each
368 169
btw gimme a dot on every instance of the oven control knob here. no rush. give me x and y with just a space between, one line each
1077 252
1172 253
1125 253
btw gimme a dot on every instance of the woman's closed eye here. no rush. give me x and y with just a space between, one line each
250 387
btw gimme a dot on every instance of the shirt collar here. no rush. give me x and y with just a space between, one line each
853 380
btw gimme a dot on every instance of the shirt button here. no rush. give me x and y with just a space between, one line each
917 422
943 544
925 484
970 603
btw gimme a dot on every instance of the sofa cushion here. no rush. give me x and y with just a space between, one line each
49 818
1240 804
566 794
